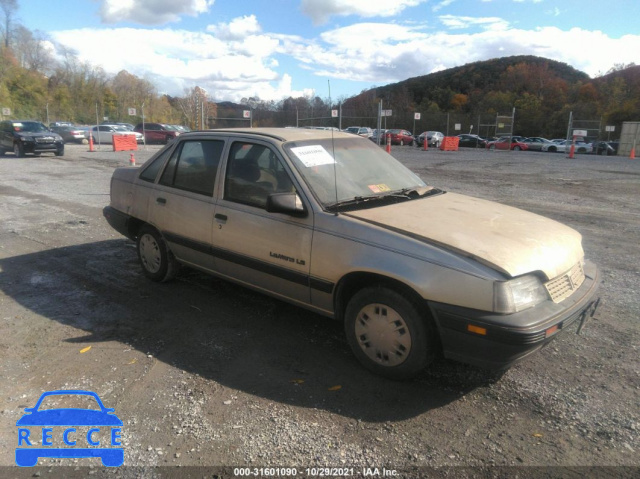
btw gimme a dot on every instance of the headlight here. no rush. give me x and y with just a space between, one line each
518 294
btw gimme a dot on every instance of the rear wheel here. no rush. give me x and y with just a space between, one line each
388 334
516 148
157 261
552 149
492 147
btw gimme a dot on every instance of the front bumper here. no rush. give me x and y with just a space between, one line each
496 341
35 147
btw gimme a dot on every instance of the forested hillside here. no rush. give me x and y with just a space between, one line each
542 91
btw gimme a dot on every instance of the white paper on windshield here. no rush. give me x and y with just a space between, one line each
313 155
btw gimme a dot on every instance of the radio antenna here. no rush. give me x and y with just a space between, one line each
333 152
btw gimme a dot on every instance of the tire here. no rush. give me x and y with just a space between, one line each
582 150
401 142
18 150
60 151
516 148
492 147
372 335
157 261
552 149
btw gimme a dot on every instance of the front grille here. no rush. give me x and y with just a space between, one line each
564 285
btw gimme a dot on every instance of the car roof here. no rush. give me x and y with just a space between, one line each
282 134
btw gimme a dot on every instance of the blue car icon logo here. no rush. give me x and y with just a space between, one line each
69 428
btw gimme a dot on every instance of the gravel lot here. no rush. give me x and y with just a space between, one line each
205 373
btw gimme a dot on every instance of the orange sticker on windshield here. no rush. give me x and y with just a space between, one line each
379 188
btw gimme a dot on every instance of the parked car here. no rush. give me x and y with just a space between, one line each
434 138
471 141
401 137
126 126
536 143
564 146
503 144
334 224
70 134
60 123
29 137
157 132
605 147
105 133
381 133
360 131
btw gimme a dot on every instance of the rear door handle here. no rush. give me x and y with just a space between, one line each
161 201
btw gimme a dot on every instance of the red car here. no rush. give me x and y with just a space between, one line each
157 132
400 137
503 144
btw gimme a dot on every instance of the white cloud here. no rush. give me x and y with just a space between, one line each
380 53
177 59
151 12
321 10
237 29
442 4
460 22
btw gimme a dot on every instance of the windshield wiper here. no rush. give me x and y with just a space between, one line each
404 194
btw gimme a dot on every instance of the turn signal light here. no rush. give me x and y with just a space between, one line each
551 330
476 329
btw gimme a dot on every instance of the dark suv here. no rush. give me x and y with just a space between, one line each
26 136
157 132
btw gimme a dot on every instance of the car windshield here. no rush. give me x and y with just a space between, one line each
358 168
73 401
30 126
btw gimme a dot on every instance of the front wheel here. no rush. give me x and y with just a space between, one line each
492 147
18 150
60 151
388 334
157 261
516 148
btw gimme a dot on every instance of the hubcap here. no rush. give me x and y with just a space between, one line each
383 335
150 253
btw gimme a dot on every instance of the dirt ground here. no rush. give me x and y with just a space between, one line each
205 373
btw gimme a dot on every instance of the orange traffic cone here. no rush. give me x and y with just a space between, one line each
426 146
132 160
632 155
91 143
388 144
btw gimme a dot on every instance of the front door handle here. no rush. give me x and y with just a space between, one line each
161 201
220 217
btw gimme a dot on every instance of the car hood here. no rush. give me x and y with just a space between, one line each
507 239
39 134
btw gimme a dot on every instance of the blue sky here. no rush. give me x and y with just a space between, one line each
279 48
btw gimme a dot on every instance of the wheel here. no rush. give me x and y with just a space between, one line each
516 148
60 151
582 150
401 142
438 144
552 149
18 150
492 147
157 261
388 334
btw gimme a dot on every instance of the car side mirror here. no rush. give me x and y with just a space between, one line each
286 203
